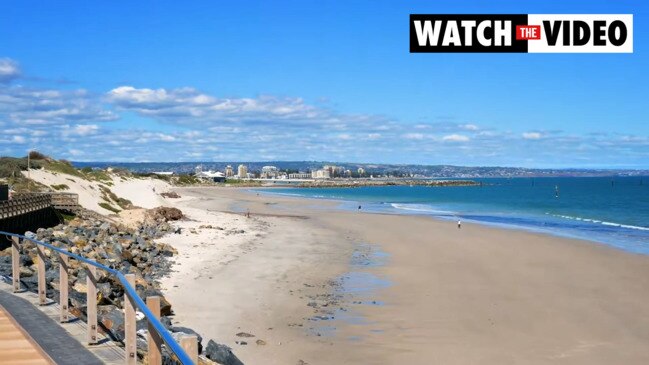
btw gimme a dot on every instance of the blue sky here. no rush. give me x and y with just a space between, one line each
314 80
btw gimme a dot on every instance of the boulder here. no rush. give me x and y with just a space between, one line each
165 214
222 354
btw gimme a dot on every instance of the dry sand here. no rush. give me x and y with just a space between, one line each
142 192
478 295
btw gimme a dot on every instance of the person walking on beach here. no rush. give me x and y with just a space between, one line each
359 208
459 224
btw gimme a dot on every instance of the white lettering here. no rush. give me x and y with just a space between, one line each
452 35
425 34
503 31
480 33
468 29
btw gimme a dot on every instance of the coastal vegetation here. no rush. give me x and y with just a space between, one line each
107 206
59 187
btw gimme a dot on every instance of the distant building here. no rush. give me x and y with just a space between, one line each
361 171
228 171
321 174
300 175
215 176
334 171
269 172
242 171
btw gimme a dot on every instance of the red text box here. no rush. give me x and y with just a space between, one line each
526 32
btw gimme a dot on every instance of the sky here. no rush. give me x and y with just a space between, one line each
309 80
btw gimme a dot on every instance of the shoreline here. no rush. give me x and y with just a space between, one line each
478 295
507 222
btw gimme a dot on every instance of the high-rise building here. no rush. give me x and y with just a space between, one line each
321 174
269 172
228 171
242 171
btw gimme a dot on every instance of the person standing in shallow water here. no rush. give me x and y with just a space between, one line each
459 224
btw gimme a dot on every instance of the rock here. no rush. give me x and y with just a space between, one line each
222 354
80 286
165 214
244 334
172 195
112 320
25 271
78 300
105 289
260 342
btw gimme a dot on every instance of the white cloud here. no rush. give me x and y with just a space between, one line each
188 104
455 138
532 135
18 139
40 107
166 138
414 136
85 129
9 70
470 127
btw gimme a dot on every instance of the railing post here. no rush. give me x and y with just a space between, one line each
130 326
189 343
42 287
15 263
63 286
153 339
91 304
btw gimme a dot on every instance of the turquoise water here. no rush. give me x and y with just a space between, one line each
614 211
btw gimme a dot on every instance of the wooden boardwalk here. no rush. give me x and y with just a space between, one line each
16 347
64 343
26 203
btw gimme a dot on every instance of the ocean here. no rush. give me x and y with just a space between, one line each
613 211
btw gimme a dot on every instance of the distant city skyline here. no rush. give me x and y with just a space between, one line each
302 80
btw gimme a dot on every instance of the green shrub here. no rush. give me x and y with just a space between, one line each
35 155
11 166
60 187
109 196
187 180
109 207
63 167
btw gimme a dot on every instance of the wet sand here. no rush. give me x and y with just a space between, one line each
324 286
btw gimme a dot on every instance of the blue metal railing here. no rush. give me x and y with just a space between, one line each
139 303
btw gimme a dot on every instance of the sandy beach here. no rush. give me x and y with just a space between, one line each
316 285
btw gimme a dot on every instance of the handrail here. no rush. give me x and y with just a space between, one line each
160 329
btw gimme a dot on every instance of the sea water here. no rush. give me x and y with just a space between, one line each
613 211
